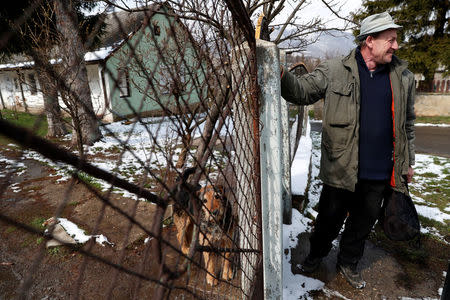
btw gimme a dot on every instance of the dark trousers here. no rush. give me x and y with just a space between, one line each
363 208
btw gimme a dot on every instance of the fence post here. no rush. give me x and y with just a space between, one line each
286 154
268 63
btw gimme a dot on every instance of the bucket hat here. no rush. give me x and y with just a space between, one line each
376 23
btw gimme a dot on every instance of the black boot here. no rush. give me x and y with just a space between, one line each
311 264
352 276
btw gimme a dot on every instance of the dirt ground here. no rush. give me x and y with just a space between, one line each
390 269
64 273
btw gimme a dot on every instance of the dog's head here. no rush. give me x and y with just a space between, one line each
216 207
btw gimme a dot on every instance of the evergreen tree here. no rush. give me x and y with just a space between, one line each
424 38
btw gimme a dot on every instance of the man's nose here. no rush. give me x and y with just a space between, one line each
395 45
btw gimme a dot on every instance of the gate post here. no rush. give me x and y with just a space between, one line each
268 63
286 153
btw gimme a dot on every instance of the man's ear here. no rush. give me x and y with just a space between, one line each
369 41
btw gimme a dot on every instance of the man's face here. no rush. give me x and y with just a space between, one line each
384 46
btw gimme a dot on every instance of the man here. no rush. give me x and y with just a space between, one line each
367 139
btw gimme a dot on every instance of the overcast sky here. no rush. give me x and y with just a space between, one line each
316 8
313 9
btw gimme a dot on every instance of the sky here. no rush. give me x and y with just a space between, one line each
316 8
313 9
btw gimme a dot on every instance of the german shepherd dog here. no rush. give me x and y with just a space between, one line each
217 226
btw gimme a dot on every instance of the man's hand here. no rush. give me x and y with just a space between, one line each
410 174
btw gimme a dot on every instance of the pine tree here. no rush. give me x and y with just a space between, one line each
424 38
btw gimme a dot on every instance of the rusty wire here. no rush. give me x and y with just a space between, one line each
205 89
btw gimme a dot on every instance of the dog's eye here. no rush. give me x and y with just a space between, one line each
204 200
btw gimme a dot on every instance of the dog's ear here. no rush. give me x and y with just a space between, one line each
220 189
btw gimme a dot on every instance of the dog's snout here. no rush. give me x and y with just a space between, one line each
215 212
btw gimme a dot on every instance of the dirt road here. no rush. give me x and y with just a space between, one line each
433 140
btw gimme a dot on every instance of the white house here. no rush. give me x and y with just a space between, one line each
118 88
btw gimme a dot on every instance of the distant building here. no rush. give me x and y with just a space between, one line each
440 83
147 62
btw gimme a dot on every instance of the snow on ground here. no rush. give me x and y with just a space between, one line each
429 124
128 150
300 165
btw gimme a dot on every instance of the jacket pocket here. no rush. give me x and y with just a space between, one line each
339 104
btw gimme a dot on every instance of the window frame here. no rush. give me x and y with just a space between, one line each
123 82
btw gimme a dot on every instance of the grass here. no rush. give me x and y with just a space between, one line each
37 223
54 251
10 229
36 123
444 229
433 120
89 180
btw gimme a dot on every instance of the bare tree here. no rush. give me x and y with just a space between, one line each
40 32
72 51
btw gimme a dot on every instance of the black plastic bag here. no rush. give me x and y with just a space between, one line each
399 219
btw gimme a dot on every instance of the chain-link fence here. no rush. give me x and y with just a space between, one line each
171 177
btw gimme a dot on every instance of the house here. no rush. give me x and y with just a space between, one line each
440 83
147 64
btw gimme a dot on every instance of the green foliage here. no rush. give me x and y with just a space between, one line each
424 38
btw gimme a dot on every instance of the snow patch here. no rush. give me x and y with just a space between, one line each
79 235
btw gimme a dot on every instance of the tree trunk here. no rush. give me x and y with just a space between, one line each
75 75
56 126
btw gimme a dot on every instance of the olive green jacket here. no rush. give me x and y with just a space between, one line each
337 82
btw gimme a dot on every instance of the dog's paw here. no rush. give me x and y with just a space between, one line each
211 280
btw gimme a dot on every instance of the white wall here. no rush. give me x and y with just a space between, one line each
12 96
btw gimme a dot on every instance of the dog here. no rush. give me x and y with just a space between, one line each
185 195
217 233
217 225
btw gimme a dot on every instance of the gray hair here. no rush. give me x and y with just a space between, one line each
361 40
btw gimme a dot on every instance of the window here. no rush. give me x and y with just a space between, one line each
156 28
123 82
16 83
32 82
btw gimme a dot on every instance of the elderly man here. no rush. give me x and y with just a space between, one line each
367 139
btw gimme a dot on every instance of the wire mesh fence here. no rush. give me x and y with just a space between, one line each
168 189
